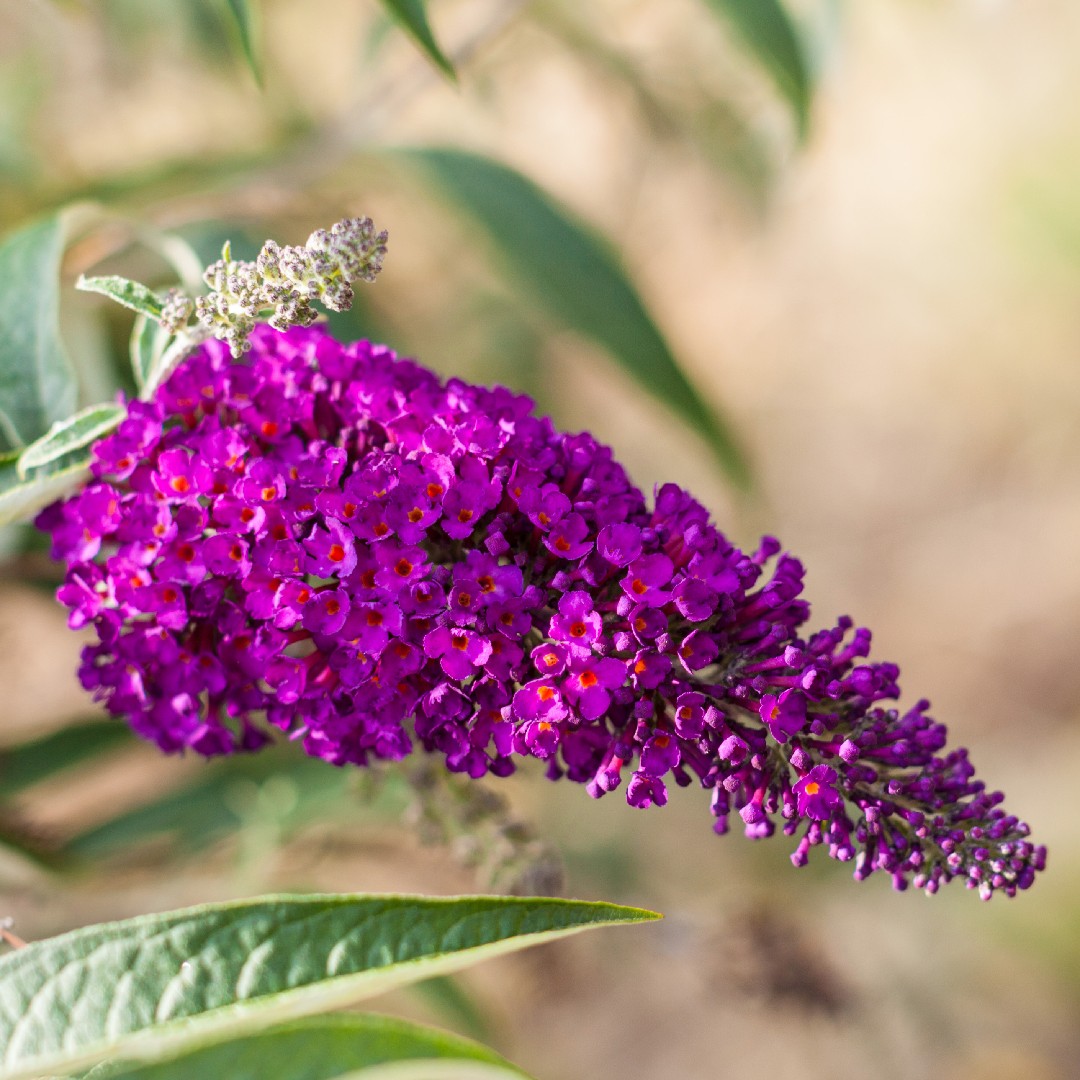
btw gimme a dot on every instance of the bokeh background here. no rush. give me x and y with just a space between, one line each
884 311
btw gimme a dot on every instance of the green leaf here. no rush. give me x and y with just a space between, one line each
148 343
148 987
412 16
454 1004
132 294
433 1070
75 433
242 16
37 383
29 763
317 1049
769 32
213 806
22 497
179 348
576 276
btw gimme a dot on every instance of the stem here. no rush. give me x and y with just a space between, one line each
10 939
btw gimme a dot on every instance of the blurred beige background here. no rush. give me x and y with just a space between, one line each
892 328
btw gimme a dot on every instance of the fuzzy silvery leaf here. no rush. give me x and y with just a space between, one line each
131 294
37 383
75 433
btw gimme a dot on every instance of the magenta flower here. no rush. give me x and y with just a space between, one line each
577 623
326 541
645 580
590 682
817 796
784 714
619 544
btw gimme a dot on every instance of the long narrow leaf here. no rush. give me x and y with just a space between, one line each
433 1070
243 17
21 497
208 809
132 294
411 15
37 383
75 433
577 278
316 1049
149 341
146 988
769 33
29 763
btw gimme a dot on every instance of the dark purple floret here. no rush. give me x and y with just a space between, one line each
326 540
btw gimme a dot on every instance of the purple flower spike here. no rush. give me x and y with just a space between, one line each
327 542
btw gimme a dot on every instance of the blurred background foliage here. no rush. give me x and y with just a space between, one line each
816 261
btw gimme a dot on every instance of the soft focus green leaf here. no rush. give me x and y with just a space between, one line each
131 294
412 16
454 1004
242 15
713 126
149 987
178 349
577 278
29 763
22 497
66 436
148 343
316 1049
769 32
37 384
215 805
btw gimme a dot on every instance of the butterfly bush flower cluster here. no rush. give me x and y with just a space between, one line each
329 541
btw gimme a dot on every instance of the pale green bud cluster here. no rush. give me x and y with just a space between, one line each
286 280
176 310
